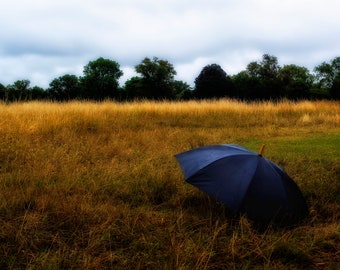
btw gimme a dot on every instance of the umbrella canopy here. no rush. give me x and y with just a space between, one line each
245 182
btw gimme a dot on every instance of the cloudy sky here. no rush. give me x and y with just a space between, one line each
43 39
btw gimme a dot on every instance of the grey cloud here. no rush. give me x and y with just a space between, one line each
50 37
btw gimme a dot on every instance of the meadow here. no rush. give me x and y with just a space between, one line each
87 185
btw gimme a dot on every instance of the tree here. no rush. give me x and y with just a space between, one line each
269 67
296 82
254 70
327 77
335 89
3 91
246 87
260 80
134 88
183 91
100 79
157 79
213 82
38 93
265 73
19 90
64 88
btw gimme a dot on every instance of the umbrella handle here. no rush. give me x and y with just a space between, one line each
261 149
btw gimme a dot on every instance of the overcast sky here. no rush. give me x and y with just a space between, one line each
43 39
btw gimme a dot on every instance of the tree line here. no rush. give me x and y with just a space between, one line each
261 80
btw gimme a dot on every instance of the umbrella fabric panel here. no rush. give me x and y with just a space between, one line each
296 207
266 194
278 199
227 179
196 159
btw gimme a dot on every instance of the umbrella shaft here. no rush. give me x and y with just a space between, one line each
261 149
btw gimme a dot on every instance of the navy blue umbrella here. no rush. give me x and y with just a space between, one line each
245 182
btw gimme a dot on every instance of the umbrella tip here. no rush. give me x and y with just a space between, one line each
261 149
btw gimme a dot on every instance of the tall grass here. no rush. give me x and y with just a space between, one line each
95 185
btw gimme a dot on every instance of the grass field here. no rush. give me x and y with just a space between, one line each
96 186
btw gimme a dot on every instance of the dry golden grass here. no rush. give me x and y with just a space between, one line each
95 185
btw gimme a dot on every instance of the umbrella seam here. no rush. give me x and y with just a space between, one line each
247 190
226 157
